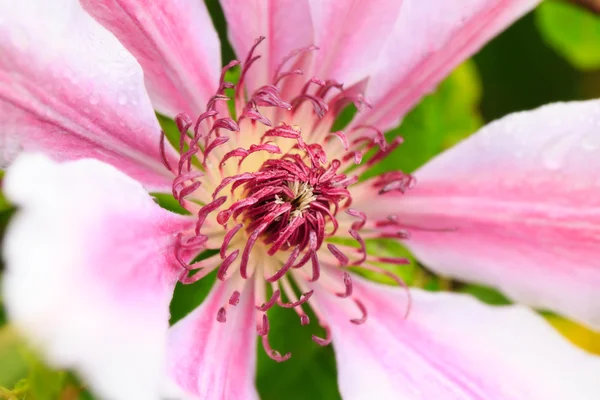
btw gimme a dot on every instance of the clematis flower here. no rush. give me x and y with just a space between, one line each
92 260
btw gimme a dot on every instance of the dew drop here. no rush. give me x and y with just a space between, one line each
591 141
554 154
122 99
94 99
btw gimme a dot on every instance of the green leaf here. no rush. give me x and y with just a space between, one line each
233 76
344 118
441 120
485 294
14 365
571 31
44 382
168 202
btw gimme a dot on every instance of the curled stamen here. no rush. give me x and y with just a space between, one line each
348 284
295 53
225 123
226 263
343 138
163 155
189 243
270 303
363 310
288 264
319 106
303 299
272 353
342 258
269 96
379 136
222 84
327 340
283 131
228 236
250 112
360 215
363 247
250 59
263 331
220 140
232 179
316 269
207 209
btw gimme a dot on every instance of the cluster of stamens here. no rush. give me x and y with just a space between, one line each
280 196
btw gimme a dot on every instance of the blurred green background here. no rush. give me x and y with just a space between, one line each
552 54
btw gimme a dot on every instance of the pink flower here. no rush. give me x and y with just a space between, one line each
92 261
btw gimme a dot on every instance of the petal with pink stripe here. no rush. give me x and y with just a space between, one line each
90 272
176 44
515 206
429 39
70 89
211 359
452 347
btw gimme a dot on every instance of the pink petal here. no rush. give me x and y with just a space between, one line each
352 35
286 24
452 347
70 89
516 206
175 43
89 272
430 39
211 359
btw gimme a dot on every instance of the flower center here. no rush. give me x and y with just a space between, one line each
270 196
302 194
287 201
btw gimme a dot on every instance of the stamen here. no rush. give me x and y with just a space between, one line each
222 315
226 263
207 209
303 299
343 138
274 354
263 330
342 258
163 155
288 264
323 341
363 247
270 303
228 236
348 284
363 310
235 298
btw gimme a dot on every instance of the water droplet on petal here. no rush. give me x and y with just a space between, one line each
591 141
94 99
555 152
122 99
